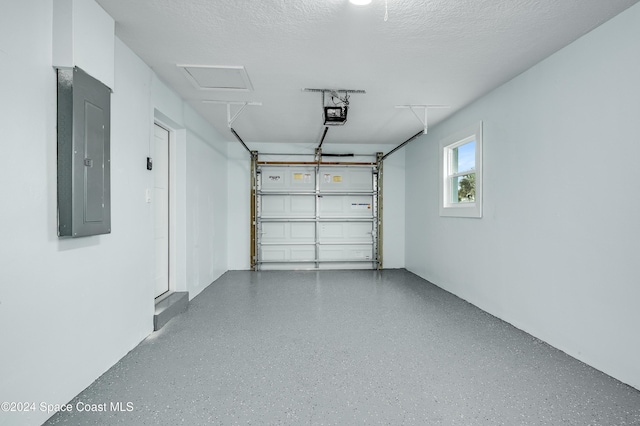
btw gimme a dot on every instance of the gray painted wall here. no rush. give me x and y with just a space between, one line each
556 252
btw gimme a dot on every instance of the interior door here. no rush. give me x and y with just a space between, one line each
161 209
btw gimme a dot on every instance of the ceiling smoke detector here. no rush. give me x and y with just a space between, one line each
360 2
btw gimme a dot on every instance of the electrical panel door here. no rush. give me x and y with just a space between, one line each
84 111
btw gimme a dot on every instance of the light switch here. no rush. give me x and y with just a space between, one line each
148 195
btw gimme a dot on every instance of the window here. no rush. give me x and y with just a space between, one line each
461 173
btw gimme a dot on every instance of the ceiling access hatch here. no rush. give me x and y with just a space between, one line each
218 77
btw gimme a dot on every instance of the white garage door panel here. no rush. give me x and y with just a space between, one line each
290 252
303 231
271 254
287 257
286 266
350 252
345 178
359 232
346 265
273 206
346 206
303 205
288 206
332 231
359 254
283 232
274 231
288 179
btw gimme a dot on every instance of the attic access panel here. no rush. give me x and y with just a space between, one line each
84 190
218 77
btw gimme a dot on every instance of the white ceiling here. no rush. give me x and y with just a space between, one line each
446 52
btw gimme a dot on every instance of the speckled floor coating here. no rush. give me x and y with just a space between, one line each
348 348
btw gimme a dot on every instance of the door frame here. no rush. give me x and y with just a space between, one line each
171 205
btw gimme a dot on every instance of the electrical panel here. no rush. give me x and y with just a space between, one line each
84 115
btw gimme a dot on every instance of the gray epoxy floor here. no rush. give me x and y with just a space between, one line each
348 348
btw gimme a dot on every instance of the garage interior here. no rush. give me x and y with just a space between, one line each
292 347
404 212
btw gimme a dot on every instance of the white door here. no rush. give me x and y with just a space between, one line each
312 217
161 205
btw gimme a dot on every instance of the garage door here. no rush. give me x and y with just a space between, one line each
316 216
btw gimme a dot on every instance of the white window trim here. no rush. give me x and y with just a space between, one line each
447 208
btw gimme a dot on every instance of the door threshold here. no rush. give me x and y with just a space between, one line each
172 305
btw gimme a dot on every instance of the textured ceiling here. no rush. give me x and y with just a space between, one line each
446 52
